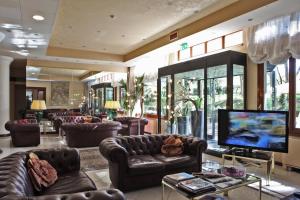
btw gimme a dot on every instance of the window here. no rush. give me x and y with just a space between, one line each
184 54
198 49
281 86
277 87
214 45
238 87
150 97
234 39
298 93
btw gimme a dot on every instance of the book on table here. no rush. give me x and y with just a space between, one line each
176 178
196 186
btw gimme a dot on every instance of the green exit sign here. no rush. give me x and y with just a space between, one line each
184 46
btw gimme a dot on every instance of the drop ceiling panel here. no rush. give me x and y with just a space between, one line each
119 26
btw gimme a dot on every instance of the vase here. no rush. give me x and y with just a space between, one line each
183 125
197 120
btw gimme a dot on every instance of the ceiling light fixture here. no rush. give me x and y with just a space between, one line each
38 17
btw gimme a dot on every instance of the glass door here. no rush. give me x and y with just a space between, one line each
165 105
189 103
216 97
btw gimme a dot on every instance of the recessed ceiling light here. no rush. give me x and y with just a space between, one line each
38 17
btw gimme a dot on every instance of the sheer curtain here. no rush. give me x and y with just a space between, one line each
274 40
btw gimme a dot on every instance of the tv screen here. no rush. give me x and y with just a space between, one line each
265 130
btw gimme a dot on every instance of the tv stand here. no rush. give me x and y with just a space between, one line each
253 158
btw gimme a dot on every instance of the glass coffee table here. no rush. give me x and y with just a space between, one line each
249 179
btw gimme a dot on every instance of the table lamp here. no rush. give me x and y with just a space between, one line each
112 107
38 106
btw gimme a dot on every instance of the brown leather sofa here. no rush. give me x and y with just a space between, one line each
24 133
136 162
89 134
58 121
72 184
130 125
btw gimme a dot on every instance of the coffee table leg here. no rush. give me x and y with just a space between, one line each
163 191
260 189
225 194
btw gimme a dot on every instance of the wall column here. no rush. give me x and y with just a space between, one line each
4 91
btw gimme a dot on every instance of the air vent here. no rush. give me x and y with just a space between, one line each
173 36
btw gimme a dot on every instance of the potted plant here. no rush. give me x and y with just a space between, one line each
188 111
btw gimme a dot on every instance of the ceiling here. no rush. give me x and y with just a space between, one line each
120 26
95 29
43 73
22 34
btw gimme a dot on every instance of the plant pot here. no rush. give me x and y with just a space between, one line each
197 120
183 125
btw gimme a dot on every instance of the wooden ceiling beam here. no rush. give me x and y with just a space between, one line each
80 66
75 53
88 74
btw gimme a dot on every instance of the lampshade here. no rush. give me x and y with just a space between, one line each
38 105
112 105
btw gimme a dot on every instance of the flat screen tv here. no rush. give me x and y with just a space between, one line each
252 129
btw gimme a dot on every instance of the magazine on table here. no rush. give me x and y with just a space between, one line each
196 186
176 178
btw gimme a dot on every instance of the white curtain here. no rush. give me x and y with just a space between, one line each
274 40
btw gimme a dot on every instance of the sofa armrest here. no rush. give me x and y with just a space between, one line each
109 194
112 151
96 119
63 160
197 146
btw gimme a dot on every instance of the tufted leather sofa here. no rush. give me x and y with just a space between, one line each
136 161
24 133
89 134
58 121
130 125
72 184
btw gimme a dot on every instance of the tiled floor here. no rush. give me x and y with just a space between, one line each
283 181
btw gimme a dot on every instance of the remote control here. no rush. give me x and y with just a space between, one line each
297 194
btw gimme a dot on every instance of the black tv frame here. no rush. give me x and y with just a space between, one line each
253 147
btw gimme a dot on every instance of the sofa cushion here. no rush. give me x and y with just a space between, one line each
143 164
71 183
176 161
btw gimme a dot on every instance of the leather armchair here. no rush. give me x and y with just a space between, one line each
89 134
136 162
130 125
24 133
72 184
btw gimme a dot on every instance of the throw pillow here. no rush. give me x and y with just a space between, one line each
41 173
172 146
87 119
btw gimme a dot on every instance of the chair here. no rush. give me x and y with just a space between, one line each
132 125
24 133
